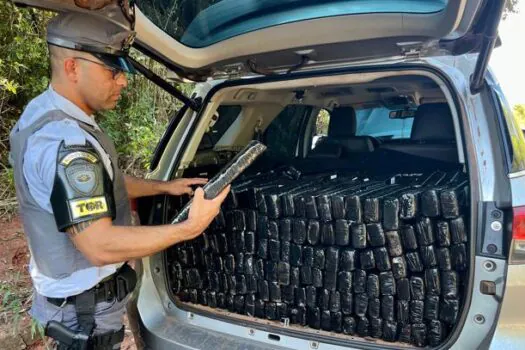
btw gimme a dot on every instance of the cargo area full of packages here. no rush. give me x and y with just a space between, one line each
354 225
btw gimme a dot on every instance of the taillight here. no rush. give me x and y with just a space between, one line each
517 248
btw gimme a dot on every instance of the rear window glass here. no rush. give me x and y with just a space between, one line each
227 115
199 23
282 135
376 122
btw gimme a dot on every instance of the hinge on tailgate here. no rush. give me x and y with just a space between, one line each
411 50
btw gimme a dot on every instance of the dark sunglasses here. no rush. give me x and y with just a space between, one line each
116 73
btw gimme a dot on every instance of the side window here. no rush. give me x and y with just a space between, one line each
322 120
282 135
227 115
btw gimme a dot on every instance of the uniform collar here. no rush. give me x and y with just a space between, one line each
71 109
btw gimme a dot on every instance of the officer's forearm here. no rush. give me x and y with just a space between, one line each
102 243
141 187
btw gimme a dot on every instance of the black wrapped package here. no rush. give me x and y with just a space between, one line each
359 281
176 286
262 248
372 286
393 243
285 251
285 229
220 220
349 325
314 317
248 264
273 205
288 294
311 296
262 226
403 289
235 221
424 231
283 273
298 315
347 303
375 235
324 208
319 258
249 304
275 292
391 214
344 281
417 288
448 310
449 284
327 234
389 331
272 271
249 242
336 322
338 207
238 304
309 257
419 334
335 301
387 283
403 311
274 248
213 280
273 230
296 253
251 284
300 296
374 307
317 278
435 333
360 304
310 207
431 307
399 267
413 261
430 205
313 232
306 275
229 264
223 282
371 209
209 263
376 327
347 260
222 243
219 264
239 262
258 270
432 282
202 297
342 232
408 206
194 278
449 204
387 308
177 270
443 259
443 234
367 259
363 327
221 300
382 259
458 255
271 311
326 320
251 220
417 308
241 286
214 246
458 231
260 306
229 302
282 311
353 209
358 235
408 237
331 259
295 279
298 231
405 333
194 296
330 280
428 256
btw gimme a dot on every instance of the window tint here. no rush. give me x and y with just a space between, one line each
227 115
282 134
376 122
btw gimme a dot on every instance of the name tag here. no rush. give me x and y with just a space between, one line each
86 207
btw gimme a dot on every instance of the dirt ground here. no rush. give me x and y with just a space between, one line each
16 329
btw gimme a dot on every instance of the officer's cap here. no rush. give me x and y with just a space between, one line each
108 40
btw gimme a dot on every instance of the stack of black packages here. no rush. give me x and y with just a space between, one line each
379 258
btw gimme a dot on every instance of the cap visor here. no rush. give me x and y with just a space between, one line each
119 62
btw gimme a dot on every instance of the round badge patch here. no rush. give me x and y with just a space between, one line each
83 178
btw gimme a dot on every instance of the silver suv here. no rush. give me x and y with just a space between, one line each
344 94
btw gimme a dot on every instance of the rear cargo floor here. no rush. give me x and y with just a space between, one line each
346 255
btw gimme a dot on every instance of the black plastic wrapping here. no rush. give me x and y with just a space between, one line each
285 251
435 333
324 208
241 286
367 259
275 292
349 325
443 234
336 322
448 310
403 311
403 289
258 269
288 294
458 231
399 267
213 280
273 230
387 283
413 261
424 231
219 264
382 259
405 333
249 305
332 259
319 258
417 309
298 231
238 304
273 205
229 264
326 320
338 207
271 311
235 221
417 288
387 307
359 281
376 327
428 256
458 254
306 275
408 206
202 297
311 296
221 300
251 284
262 248
347 303
374 307
283 273
391 214
443 258
419 334
229 302
342 232
300 296
371 210
248 264
408 237
296 254
330 280
285 229
432 282
193 296
359 240
360 304
449 204
363 327
251 220
449 284
260 306
272 271
348 260
389 331
194 278
323 299
223 282
313 232
327 233
309 257
335 301
298 315
295 277
431 307
375 235
249 242
317 277
314 317
262 226
274 248
394 243
430 205
372 286
282 311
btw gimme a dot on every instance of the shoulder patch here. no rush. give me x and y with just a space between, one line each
78 155
86 207
83 177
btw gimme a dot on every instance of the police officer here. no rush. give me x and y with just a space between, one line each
74 200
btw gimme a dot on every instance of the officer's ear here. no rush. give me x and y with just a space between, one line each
71 69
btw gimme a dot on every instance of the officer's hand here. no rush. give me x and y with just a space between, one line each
179 187
203 211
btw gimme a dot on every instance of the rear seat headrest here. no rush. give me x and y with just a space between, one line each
342 122
432 122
